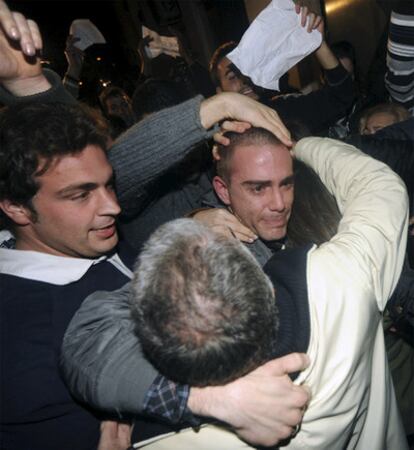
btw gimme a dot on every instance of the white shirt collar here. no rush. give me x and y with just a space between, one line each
59 270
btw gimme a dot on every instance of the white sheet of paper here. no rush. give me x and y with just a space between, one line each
274 42
87 33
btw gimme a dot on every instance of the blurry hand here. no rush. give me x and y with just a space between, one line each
20 42
309 19
224 222
114 436
74 56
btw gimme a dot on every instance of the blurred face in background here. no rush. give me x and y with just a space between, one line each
231 80
377 121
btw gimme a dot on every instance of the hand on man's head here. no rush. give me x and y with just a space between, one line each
230 105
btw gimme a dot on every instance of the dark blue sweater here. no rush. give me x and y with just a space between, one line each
37 411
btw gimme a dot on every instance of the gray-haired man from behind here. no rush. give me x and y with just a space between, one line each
205 312
193 305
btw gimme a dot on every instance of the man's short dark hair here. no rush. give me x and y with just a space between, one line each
32 137
218 55
204 310
252 136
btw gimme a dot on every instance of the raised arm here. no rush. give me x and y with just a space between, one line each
373 201
399 77
20 41
21 76
152 146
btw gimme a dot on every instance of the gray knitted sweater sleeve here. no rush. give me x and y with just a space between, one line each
149 148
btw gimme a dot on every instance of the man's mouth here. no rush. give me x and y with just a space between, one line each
246 91
105 232
278 221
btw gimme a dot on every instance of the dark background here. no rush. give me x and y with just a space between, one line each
206 24
227 19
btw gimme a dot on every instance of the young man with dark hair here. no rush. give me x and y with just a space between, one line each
57 197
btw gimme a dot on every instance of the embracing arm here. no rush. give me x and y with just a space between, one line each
373 202
104 367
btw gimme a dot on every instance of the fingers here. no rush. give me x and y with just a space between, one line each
303 15
35 33
7 21
220 139
308 19
311 21
241 108
215 153
233 233
235 125
229 125
240 232
317 23
224 222
275 125
294 362
26 40
17 27
114 436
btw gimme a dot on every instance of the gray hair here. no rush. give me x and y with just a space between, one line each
205 311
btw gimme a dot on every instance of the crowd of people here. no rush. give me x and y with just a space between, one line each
190 271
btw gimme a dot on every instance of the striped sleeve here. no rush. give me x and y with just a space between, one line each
399 78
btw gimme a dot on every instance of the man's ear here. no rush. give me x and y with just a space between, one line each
221 189
19 214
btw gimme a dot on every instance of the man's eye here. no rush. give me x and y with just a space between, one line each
231 76
80 196
258 188
288 186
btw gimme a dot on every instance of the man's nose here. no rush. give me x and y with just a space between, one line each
109 205
276 201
